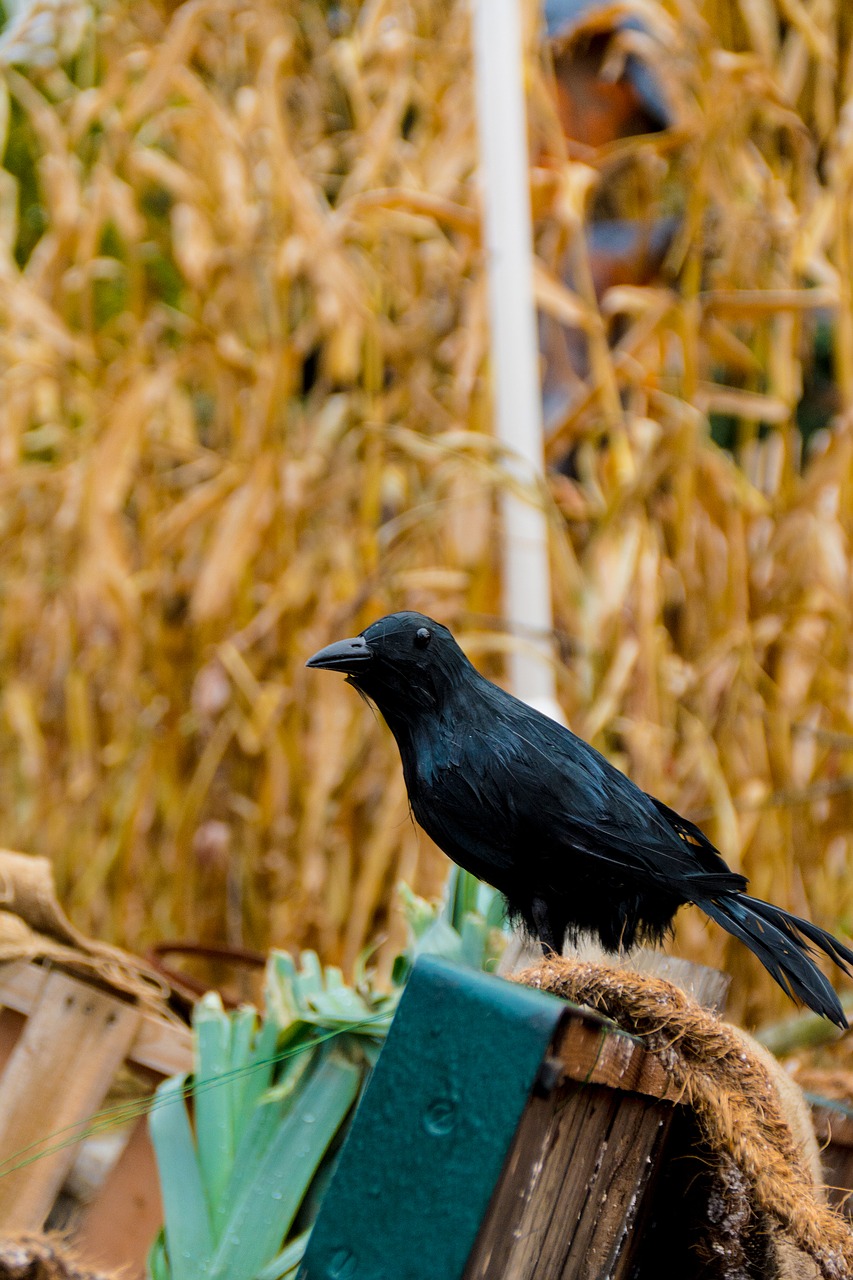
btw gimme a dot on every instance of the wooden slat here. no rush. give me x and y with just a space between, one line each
589 1233
572 1187
578 1177
161 1046
120 1224
592 1054
56 1078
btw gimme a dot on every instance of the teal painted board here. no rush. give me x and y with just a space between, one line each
431 1134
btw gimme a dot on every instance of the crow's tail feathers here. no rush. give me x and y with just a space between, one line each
784 944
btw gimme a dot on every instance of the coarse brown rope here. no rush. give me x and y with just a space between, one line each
28 1256
726 1085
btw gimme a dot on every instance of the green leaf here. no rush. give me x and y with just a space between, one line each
475 936
462 892
419 913
370 1052
243 1024
212 1095
281 998
189 1239
400 970
261 1129
158 1262
362 978
265 1210
495 911
308 980
287 1261
440 939
293 1071
262 1062
467 929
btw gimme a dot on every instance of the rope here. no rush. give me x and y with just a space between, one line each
35 1257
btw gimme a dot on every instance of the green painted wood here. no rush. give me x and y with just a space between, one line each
431 1134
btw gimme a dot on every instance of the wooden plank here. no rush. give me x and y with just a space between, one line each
603 1243
572 1187
56 1078
21 984
118 1227
160 1045
163 1047
579 1175
595 1054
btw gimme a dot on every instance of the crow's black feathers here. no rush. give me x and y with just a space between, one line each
575 847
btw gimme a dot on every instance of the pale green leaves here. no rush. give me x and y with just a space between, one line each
268 1098
271 1097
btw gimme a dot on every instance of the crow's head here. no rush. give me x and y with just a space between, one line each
405 663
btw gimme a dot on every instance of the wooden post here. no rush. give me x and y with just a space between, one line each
572 1188
575 1184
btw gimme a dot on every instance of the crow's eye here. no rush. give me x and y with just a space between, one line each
422 637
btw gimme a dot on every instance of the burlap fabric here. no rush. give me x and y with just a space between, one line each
33 926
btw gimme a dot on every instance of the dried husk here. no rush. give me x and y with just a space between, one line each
245 410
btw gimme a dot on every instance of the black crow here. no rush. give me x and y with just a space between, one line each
573 845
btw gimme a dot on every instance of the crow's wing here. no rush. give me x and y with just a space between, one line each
566 797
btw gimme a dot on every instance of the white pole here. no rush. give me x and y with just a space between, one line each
504 165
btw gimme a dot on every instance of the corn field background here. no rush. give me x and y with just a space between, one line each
244 409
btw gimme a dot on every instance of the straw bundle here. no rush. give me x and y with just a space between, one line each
245 410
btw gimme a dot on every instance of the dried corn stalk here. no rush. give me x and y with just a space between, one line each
245 410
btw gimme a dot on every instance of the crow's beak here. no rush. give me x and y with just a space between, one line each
343 655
